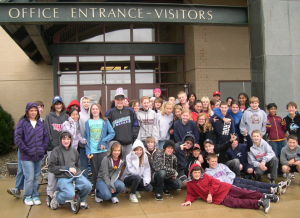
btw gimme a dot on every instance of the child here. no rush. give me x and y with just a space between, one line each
53 122
135 105
217 96
183 102
151 151
31 138
108 185
137 173
73 104
229 100
292 119
40 105
126 102
262 157
197 109
165 174
290 157
151 104
254 118
206 131
172 99
67 158
212 190
243 102
214 104
224 174
184 126
165 120
157 105
191 97
147 121
157 92
72 126
98 132
176 116
222 129
195 156
206 107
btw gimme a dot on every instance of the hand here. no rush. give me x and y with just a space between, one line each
241 167
112 191
174 177
245 132
187 106
198 162
215 119
102 147
171 131
291 162
232 137
200 159
262 166
297 163
90 156
188 203
227 121
283 122
182 146
209 198
268 122
72 170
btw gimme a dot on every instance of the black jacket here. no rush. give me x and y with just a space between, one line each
222 130
293 126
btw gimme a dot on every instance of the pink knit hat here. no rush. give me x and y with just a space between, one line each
156 90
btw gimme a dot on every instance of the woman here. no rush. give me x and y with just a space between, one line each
31 139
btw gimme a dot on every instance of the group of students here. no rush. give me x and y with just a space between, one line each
161 144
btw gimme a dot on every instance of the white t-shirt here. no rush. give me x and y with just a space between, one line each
33 123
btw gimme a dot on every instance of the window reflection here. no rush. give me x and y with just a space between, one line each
118 79
90 33
117 64
68 64
117 33
146 63
66 79
68 93
144 33
89 79
146 78
91 64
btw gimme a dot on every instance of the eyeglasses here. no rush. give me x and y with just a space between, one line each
202 119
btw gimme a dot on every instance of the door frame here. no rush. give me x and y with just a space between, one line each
94 87
114 87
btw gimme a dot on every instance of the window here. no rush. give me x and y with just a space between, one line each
233 88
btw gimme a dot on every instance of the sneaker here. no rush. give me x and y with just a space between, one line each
125 191
138 194
272 197
158 197
36 201
54 204
269 175
11 191
83 205
50 194
283 186
274 190
284 175
114 200
272 181
28 201
166 192
17 193
133 199
265 203
98 200
292 175
288 183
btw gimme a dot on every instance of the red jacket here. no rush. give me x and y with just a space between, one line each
274 128
194 116
74 102
206 185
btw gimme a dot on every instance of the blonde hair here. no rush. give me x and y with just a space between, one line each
187 111
141 158
207 125
114 146
181 93
163 107
253 99
208 107
256 131
176 107
149 139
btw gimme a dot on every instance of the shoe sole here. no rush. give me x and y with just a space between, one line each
166 193
134 201
9 192
158 199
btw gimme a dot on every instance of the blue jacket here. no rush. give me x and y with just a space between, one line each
107 135
236 118
241 151
181 130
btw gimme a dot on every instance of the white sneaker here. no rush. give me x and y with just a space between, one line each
84 205
36 201
98 200
284 175
114 200
138 194
28 201
292 175
133 199
269 175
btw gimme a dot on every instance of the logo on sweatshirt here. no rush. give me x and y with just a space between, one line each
219 174
226 129
239 154
294 127
121 121
56 127
255 119
260 155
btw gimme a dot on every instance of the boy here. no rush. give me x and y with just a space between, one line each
157 93
183 102
217 96
172 99
262 157
151 151
165 174
253 118
74 104
64 157
220 150
292 119
195 156
40 105
212 190
224 174
290 157
222 129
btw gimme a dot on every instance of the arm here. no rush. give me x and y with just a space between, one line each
155 130
19 136
218 113
105 172
223 148
230 175
191 195
195 132
176 132
158 164
54 165
110 135
243 123
283 157
213 185
268 126
135 126
147 172
48 128
132 163
269 153
264 124
249 142
66 127
45 137
87 136
252 160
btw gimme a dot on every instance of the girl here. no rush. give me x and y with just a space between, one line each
206 130
147 121
126 102
157 105
176 116
98 132
151 106
206 107
108 185
191 99
229 100
53 122
135 105
214 103
197 109
31 139
165 119
184 125
137 173
243 102
72 126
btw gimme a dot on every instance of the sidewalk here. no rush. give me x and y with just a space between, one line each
288 206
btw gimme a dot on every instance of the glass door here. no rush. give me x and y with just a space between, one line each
145 90
111 91
96 94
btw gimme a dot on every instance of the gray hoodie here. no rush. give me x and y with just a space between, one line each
222 173
252 120
260 153
164 123
147 121
84 116
287 154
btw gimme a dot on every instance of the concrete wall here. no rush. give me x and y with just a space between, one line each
21 80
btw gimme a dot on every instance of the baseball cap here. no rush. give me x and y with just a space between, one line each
208 141
217 93
56 98
119 93
196 146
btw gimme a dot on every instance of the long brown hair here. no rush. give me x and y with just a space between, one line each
63 108
101 115
141 158
207 125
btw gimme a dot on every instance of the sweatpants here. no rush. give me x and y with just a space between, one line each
52 183
272 167
263 188
242 198
126 149
137 184
234 166
96 164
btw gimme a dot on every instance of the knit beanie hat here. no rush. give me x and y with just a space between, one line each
169 143
156 90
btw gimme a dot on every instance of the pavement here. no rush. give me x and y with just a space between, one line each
288 206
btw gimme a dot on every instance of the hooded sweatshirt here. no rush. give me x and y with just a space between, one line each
252 120
222 173
222 129
180 130
204 186
72 127
293 125
148 124
260 153
53 126
276 131
165 162
164 123
287 154
63 159
151 157
133 167
107 172
83 117
74 102
31 141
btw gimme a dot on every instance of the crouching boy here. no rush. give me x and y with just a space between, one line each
64 157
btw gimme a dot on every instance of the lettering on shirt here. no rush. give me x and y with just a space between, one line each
121 121
260 155
255 119
226 129
56 127
148 121
239 154
219 174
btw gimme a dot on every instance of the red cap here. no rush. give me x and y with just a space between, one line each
217 93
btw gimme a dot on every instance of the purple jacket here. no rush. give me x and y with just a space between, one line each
31 142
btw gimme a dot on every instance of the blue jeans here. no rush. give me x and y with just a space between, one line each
277 146
31 170
160 144
263 188
20 175
84 162
103 191
67 191
163 183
